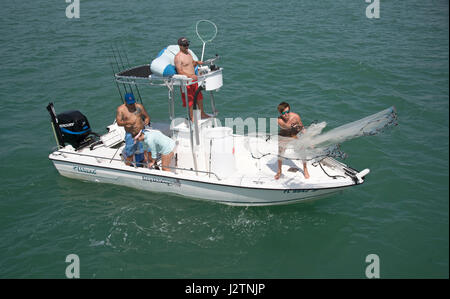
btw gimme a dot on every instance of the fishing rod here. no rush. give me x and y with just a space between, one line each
118 66
123 66
114 78
129 66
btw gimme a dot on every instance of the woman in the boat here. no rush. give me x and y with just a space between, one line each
156 143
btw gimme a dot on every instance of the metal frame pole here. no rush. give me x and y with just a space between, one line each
213 107
194 158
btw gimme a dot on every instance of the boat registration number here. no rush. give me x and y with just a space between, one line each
298 190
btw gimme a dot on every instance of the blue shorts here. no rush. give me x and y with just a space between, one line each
132 148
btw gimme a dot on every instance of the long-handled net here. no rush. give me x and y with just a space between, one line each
204 33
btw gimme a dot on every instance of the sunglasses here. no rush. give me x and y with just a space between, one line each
185 45
284 112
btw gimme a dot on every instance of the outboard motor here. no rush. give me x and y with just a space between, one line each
74 127
71 127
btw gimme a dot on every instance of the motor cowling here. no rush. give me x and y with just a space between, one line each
74 127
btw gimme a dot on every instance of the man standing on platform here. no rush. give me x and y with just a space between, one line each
185 65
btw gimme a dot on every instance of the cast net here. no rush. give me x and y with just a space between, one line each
311 143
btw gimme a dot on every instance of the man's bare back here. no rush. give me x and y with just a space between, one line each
131 118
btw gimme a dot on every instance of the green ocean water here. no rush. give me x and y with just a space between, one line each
326 58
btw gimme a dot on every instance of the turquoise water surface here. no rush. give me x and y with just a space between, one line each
326 58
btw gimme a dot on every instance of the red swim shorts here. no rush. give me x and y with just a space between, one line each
191 89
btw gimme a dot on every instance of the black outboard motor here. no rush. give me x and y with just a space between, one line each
71 127
74 127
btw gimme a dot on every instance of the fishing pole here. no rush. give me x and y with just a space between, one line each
118 66
129 66
123 66
114 78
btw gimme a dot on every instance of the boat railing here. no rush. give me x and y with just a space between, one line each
60 152
143 75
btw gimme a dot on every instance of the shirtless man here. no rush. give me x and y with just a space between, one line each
133 117
185 65
290 125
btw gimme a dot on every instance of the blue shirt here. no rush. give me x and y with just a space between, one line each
157 143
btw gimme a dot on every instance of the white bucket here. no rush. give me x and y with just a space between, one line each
220 143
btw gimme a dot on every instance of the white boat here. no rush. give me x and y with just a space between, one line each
210 162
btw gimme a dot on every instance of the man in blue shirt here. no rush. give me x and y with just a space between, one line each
156 143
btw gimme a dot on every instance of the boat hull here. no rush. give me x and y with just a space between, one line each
196 189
